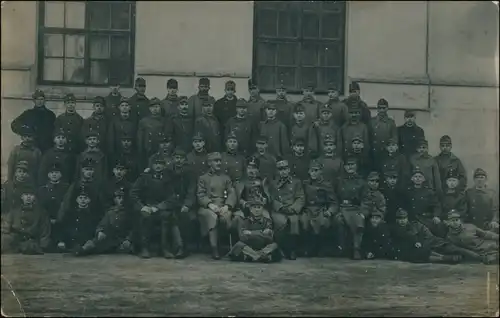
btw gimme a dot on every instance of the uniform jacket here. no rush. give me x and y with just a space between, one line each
181 128
451 162
311 107
42 121
394 199
364 163
131 162
195 103
429 167
97 199
482 206
66 160
139 105
422 203
276 132
79 225
170 105
184 191
267 166
454 200
319 130
50 197
245 130
256 111
377 240
215 188
152 189
22 153
11 194
373 200
148 132
224 109
365 110
303 131
347 133
409 138
233 164
113 184
332 168
166 155
256 225
99 123
471 237
248 190
340 112
116 223
381 129
320 196
210 128
284 109
414 232
395 162
350 190
197 162
112 103
30 222
287 194
299 166
71 124
117 129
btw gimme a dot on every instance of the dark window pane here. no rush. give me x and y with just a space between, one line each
330 75
309 55
309 75
120 16
332 26
119 71
267 23
266 54
310 25
266 77
287 75
119 47
330 55
286 54
99 15
287 23
74 71
99 47
99 72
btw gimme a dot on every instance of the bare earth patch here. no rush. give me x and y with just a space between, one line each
57 285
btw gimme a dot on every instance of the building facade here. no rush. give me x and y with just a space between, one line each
440 58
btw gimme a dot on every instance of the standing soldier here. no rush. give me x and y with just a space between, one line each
287 196
340 113
429 167
197 158
354 127
40 119
409 134
283 106
216 199
299 128
276 133
358 151
124 124
447 161
93 153
170 104
195 102
243 126
454 197
267 162
311 105
26 152
320 205
255 103
99 123
322 127
57 154
299 160
71 122
148 131
209 126
232 161
112 101
225 107
382 128
393 195
139 103
330 160
352 215
355 99
393 160
482 203
128 155
181 126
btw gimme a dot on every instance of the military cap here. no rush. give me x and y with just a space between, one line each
298 107
27 189
256 202
126 136
480 172
315 164
373 176
100 100
56 166
422 142
252 83
453 214
262 139
26 130
281 85
354 86
232 135
378 213
253 161
83 191
281 163
270 105
383 102
119 163
452 173
409 113
401 214
391 173
392 141
140 81
91 133
357 138
70 97
350 160
172 83
332 87
206 102
445 139
124 100
214 156
204 81
88 163
154 101
326 108
38 93
198 136
230 84
417 170
179 152
163 137
23 164
120 192
298 141
157 158
328 138
241 103
183 99
309 85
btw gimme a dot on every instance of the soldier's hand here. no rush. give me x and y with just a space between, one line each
214 208
246 232
53 221
101 236
61 245
328 213
147 170
184 209
146 209
494 225
154 209
418 245
267 231
370 255
224 209
436 220
125 245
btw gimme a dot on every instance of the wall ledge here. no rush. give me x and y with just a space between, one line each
191 74
423 82
16 68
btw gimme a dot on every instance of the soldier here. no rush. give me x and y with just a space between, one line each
71 123
50 197
210 127
181 126
322 127
429 167
352 128
148 131
484 244
340 113
276 133
28 229
244 127
197 158
225 107
413 242
139 103
393 195
128 155
299 128
311 105
165 150
57 154
256 241
216 199
376 242
267 162
255 103
382 128
363 158
373 200
331 161
320 205
123 124
98 157
112 101
170 104
454 198
282 105
99 123
150 195
392 159
195 102
287 196
232 161
299 160
26 152
446 161
482 203
355 99
117 181
352 214
11 188
40 119
409 134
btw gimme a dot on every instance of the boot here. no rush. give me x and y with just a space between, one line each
293 247
451 259
164 241
213 238
340 248
356 255
314 245
177 239
145 248
356 240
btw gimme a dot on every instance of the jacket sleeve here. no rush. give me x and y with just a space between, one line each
111 137
238 191
284 142
103 223
190 198
65 204
300 198
366 136
435 204
381 204
276 204
202 193
334 202
135 193
488 235
393 130
38 161
11 163
314 139
140 137
340 142
19 122
462 175
437 179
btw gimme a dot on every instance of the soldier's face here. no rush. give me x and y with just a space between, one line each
204 88
241 111
410 120
402 221
298 149
183 107
39 101
454 223
354 115
418 179
88 172
60 140
119 200
382 109
127 143
198 145
172 91
119 172
21 174
271 112
115 89
254 91
165 145
92 141
390 180
445 147
375 220
252 171
333 94
54 176
208 109
422 149
350 167
373 184
232 144
480 181
307 92
256 210
215 164
179 160
155 109
158 166
230 91
392 148
281 92
299 116
329 147
28 198
451 183
314 173
325 115
27 139
284 172
70 106
98 108
261 147
82 200
354 93
357 145
141 88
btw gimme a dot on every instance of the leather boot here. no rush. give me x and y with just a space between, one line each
213 238
145 247
164 241
178 243
356 238
293 247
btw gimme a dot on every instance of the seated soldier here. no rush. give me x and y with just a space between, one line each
453 197
376 242
10 189
216 198
27 229
468 236
288 199
320 205
256 238
373 200
117 181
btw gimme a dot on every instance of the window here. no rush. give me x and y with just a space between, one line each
86 42
299 42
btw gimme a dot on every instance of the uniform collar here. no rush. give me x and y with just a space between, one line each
255 99
97 116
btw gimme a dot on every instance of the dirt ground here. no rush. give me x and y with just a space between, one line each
58 285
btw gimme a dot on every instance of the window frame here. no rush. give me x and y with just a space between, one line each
299 40
87 32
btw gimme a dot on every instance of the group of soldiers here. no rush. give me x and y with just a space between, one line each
266 178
